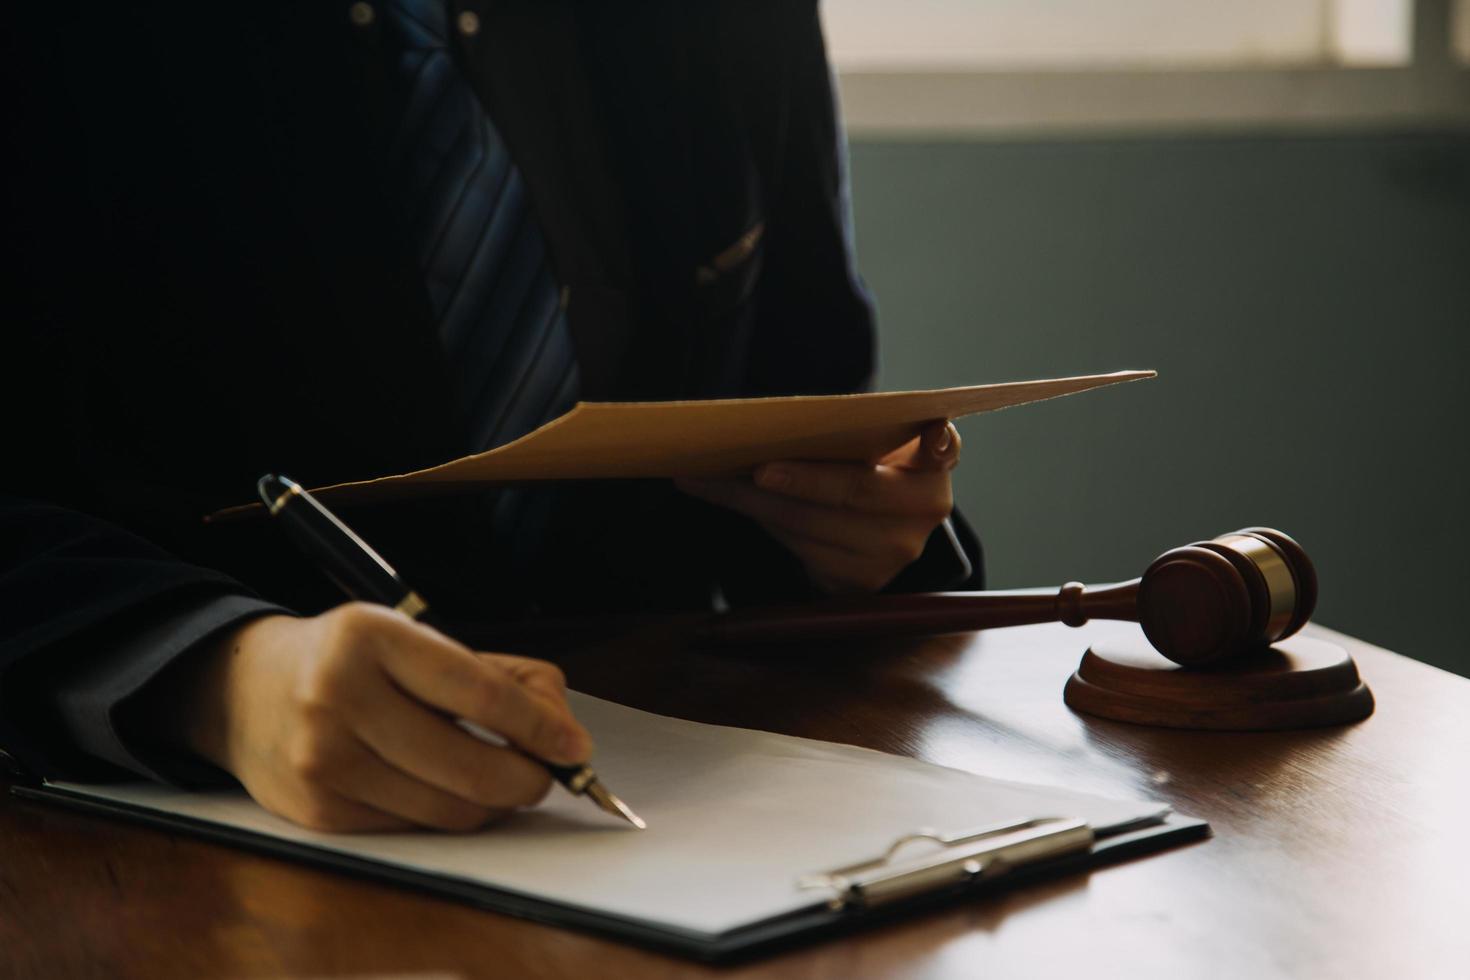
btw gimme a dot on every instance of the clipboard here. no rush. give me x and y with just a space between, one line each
810 839
891 885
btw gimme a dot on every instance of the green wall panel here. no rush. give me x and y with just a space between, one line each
1305 300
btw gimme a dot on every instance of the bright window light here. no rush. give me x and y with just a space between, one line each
1371 32
1461 30
1007 35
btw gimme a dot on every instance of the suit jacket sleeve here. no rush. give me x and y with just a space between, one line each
89 615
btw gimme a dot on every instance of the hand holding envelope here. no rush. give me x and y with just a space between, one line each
854 525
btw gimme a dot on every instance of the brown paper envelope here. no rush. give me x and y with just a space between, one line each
598 440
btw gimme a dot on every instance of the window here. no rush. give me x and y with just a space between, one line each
1462 31
976 65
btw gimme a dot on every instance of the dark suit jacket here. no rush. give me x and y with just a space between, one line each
205 282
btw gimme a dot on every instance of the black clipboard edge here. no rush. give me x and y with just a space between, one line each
798 928
792 929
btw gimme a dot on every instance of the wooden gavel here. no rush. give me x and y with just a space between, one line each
1199 604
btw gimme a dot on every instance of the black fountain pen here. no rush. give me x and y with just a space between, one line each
363 574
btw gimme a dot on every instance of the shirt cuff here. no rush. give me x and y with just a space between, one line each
90 698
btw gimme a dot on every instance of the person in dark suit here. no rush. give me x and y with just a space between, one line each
342 239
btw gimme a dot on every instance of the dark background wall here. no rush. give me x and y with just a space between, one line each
1306 302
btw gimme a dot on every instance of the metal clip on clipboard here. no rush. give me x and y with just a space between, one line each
957 860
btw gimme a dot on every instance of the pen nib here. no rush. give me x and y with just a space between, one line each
613 805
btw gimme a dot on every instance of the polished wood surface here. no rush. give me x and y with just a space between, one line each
1338 852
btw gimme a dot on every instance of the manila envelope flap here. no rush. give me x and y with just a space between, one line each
601 440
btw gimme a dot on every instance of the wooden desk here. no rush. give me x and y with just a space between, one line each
1338 853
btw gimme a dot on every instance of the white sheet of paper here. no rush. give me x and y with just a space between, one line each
735 817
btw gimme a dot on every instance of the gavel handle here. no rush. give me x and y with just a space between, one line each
921 613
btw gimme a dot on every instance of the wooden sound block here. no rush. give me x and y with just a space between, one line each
1300 682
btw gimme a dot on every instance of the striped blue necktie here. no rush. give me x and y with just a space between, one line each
501 317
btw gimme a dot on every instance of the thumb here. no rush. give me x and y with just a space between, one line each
937 448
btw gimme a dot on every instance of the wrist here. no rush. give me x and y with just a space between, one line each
207 693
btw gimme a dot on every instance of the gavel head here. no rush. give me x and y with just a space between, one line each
1215 600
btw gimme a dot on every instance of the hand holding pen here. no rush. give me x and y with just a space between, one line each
347 721
363 574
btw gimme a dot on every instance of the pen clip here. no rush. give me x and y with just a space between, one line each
337 550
